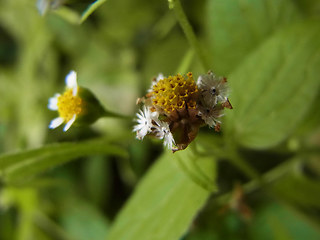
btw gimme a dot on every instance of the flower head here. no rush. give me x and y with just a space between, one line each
68 105
175 107
75 104
174 93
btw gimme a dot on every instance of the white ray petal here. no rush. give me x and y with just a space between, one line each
56 122
159 77
69 123
71 82
53 102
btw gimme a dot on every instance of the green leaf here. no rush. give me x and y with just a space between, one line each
237 27
92 7
18 167
165 202
97 171
74 219
279 231
273 89
277 221
312 120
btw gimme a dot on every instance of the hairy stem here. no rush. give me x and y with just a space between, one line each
175 5
116 115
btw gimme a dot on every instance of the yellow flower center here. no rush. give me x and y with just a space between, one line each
175 93
68 105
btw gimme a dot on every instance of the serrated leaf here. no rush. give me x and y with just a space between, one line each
237 27
164 203
274 87
20 166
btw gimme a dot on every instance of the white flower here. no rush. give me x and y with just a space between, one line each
155 81
212 89
69 105
144 121
162 131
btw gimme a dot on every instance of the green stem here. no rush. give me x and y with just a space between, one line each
50 227
308 151
243 165
250 172
188 31
238 161
116 115
265 180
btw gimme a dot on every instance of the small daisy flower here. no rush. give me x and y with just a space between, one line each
76 104
69 105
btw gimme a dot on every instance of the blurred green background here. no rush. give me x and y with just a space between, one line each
263 165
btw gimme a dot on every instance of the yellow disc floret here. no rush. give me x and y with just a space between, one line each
68 105
174 93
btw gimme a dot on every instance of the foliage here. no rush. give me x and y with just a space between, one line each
256 179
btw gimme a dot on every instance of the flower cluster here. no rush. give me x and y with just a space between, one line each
175 107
